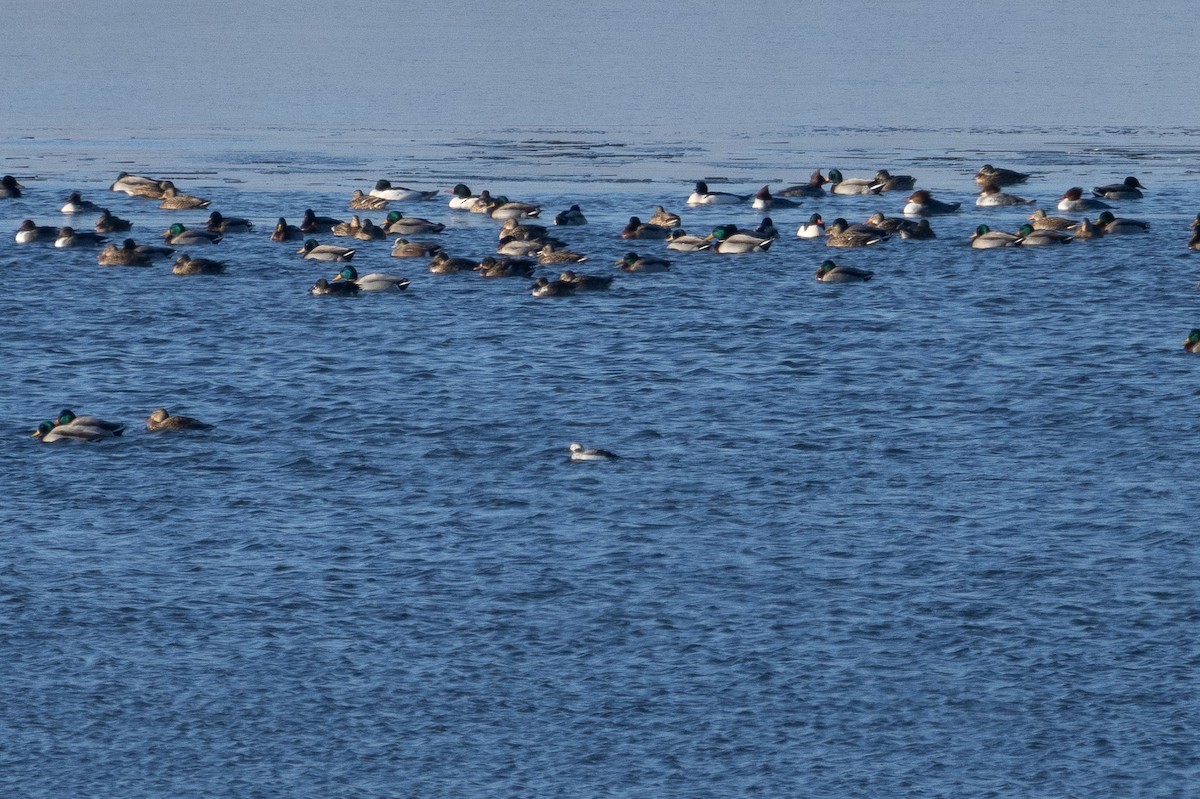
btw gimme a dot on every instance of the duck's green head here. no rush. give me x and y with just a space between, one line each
835 176
982 230
175 229
1194 336
1106 217
65 416
722 232
311 245
347 273
1025 230
825 268
501 200
383 184
461 190
394 216
629 260
43 429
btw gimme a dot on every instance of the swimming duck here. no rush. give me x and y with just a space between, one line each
992 197
571 216
172 200
920 231
636 229
463 199
522 232
403 248
892 224
345 229
138 186
159 420
702 196
177 235
185 265
552 288
632 262
67 418
829 272
984 238
312 250
519 248
1114 224
323 288
1192 342
586 282
30 232
127 254
886 181
505 267
814 188
1028 237
664 218
504 208
680 241
483 203
107 223
397 222
365 202
48 433
385 190
68 237
550 254
840 234
841 185
1001 177
10 189
285 232
728 239
228 224
1125 190
1086 230
375 281
581 453
766 228
369 231
1073 200
1194 241
443 264
812 229
1040 221
77 205
921 203
763 201
311 223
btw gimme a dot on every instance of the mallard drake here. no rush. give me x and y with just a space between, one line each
443 264
984 238
702 196
1192 342
48 433
992 197
369 231
814 188
385 190
285 232
519 248
586 282
67 418
1114 224
463 199
128 254
228 224
581 453
812 229
1001 177
1028 237
69 237
886 181
728 239
680 241
1125 190
107 223
311 223
1073 200
345 229
571 216
552 288
1040 221
922 203
397 222
763 201
375 281
637 229
323 288
664 218
178 235
829 272
30 231
77 205
10 189
504 208
159 420
314 251
841 185
490 267
403 248
918 232
632 262
550 254
138 186
365 202
840 234
185 265
172 200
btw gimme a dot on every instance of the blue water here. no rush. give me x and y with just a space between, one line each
933 535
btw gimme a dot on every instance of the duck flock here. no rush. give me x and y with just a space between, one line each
526 244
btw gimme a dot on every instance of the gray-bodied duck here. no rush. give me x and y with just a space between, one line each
398 223
385 190
315 251
632 262
77 205
70 237
552 288
179 235
850 186
1128 189
681 241
1111 224
185 266
1073 200
374 281
829 272
729 239
1029 237
984 238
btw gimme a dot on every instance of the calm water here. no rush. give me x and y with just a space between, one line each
927 536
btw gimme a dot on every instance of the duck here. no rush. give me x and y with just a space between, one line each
177 235
1127 189
1192 342
1001 177
571 216
519 248
490 267
314 251
886 181
840 234
814 188
632 262
138 186
323 288
1029 237
990 196
841 185
69 237
285 232
443 264
586 282
160 420
128 254
552 288
1194 241
375 281
369 231
581 453
522 232
550 254
77 205
185 265
637 229
664 218
228 224
702 196
984 238
10 189
892 224
67 418
680 241
1114 224
30 231
829 272
49 433
728 239
345 229
918 232
365 202
763 201
1073 200
503 208
483 203
403 248
1040 221
463 199
385 190
1086 230
922 203
108 223
172 200
397 222
766 228
812 229
311 223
